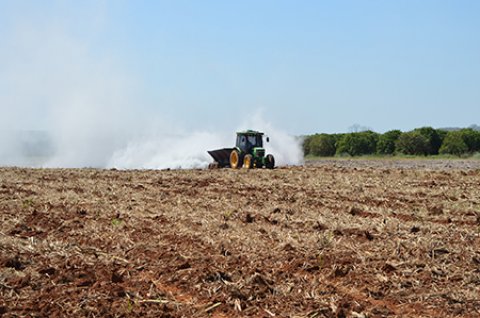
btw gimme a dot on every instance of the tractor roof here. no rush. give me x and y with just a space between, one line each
250 133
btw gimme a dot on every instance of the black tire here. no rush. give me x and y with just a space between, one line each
214 165
248 161
236 160
270 162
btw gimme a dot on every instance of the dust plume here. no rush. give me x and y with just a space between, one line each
189 150
163 150
66 104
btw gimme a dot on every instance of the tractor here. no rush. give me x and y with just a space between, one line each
247 153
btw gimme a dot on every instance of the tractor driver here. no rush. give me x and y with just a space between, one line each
250 142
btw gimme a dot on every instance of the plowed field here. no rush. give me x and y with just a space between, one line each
325 240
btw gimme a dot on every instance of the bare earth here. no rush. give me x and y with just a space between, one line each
332 239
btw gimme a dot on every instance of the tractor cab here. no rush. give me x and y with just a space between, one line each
246 141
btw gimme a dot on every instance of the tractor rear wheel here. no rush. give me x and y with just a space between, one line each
248 161
270 161
235 159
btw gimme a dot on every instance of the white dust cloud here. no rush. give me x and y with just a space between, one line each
189 150
163 150
54 84
63 104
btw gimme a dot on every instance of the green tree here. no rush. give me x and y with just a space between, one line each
471 138
358 143
323 145
442 134
454 144
337 138
306 144
433 139
412 143
386 142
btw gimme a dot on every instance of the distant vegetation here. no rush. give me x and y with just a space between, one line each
424 141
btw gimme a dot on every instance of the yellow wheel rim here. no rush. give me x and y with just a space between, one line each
247 163
234 159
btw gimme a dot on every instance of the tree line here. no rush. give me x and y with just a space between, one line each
421 142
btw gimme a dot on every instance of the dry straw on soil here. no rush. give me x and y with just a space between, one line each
318 241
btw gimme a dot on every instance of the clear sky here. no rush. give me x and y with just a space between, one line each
307 66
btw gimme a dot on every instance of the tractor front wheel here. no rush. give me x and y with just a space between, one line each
270 162
248 161
235 159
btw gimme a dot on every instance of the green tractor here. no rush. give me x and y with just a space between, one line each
248 153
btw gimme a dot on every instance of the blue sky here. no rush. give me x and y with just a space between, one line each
307 66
